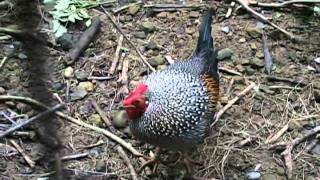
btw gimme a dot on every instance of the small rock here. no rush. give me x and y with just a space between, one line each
101 166
254 32
245 62
78 94
88 86
317 95
317 60
253 175
225 29
239 80
190 30
224 53
249 71
242 40
119 119
152 45
259 54
148 26
57 86
68 72
22 56
96 119
134 9
162 15
253 46
140 35
194 14
158 60
2 90
256 63
81 75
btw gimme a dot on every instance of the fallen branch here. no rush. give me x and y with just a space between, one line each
265 20
74 156
116 56
173 7
3 61
283 4
144 60
80 174
289 80
230 71
230 9
267 56
102 114
127 160
124 76
27 122
231 102
277 135
78 122
84 41
122 8
287 153
24 155
100 78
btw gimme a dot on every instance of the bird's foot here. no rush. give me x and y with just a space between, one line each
153 159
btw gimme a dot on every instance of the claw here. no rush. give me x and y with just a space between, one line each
152 159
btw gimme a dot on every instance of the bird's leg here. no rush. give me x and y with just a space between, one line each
153 159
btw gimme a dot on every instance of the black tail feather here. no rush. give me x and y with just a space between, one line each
205 41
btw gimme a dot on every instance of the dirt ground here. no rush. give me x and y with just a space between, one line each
238 142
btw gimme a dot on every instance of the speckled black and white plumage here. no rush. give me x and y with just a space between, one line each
181 101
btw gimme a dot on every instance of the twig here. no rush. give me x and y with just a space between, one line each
127 160
267 56
283 4
230 71
3 61
27 122
124 75
231 102
78 122
100 78
100 142
116 56
276 136
127 39
101 113
287 153
84 41
311 145
80 174
173 7
122 8
289 80
265 20
24 155
74 156
230 9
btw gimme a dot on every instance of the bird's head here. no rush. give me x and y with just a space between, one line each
136 103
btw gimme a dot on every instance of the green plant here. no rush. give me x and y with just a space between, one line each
65 11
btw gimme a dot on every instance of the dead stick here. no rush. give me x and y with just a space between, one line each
265 20
84 41
127 39
27 122
122 8
76 121
230 71
283 4
287 153
231 102
267 56
116 56
276 136
74 156
102 114
127 160
24 155
289 80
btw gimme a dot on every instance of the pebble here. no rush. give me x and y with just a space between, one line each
254 32
101 166
162 15
194 14
68 72
253 175
158 60
134 9
22 56
96 119
2 90
140 35
256 63
78 94
225 53
81 75
148 26
152 45
317 60
88 86
225 29
119 118
242 40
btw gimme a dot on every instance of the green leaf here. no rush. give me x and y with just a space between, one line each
88 22
316 10
49 2
72 18
62 4
58 29
84 13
